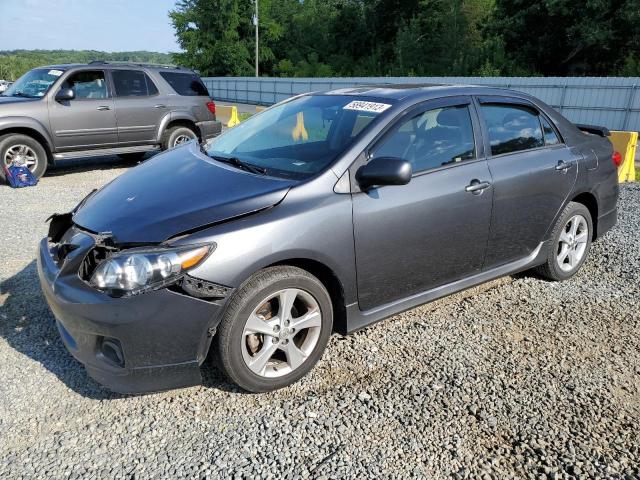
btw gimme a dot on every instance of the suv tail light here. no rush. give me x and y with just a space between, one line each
212 107
617 159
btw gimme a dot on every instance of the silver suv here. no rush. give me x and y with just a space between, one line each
71 111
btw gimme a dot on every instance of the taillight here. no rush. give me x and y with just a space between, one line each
617 159
212 107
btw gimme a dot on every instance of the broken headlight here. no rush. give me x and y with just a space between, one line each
136 270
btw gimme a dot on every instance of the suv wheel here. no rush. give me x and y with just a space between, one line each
175 136
275 329
22 150
570 243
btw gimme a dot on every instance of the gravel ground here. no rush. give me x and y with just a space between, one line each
517 378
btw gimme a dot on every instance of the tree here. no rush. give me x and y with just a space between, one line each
208 32
560 37
15 63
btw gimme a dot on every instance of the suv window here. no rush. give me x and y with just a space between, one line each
512 128
431 139
132 83
88 85
186 84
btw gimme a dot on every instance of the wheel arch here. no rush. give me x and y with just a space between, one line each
178 119
590 201
331 282
34 132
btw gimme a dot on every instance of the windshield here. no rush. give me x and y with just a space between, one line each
299 138
33 84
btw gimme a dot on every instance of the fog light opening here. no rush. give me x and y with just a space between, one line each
112 350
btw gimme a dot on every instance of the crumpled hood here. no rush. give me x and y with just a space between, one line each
175 192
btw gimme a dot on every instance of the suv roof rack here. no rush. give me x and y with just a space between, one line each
138 64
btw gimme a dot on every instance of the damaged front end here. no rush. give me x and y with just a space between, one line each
127 270
131 314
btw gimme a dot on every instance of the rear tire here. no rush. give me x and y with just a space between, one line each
23 150
177 135
569 245
275 328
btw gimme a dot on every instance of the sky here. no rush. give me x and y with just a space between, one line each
107 25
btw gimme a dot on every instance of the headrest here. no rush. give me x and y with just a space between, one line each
449 118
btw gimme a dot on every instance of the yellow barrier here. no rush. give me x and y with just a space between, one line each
228 115
299 132
625 143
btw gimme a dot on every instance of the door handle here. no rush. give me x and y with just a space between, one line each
563 166
159 106
476 186
103 108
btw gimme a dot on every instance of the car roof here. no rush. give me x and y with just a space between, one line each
120 65
418 91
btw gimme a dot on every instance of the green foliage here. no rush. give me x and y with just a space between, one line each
564 37
318 38
14 63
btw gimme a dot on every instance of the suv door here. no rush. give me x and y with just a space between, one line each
139 107
433 230
533 173
88 121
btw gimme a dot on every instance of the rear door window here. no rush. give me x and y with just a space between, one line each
132 83
512 128
185 84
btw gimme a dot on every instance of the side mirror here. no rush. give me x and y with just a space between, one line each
384 171
65 94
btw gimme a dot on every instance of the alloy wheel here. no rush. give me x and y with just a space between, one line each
572 243
21 155
182 138
281 333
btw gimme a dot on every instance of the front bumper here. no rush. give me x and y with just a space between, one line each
209 129
163 335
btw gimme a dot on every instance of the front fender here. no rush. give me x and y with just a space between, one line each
28 123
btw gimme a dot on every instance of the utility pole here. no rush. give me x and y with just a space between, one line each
255 22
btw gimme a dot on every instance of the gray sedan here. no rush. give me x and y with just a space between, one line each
327 212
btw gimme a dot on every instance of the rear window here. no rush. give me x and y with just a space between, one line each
186 84
132 83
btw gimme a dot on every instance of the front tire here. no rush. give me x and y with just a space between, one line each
22 150
570 243
275 329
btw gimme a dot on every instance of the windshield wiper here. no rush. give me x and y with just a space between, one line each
22 94
235 161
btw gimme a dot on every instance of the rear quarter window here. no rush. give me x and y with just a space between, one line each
512 128
185 84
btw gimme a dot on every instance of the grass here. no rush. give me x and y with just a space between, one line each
244 115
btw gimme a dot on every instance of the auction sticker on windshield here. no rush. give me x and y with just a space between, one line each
366 106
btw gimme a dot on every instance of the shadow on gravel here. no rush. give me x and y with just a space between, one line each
27 324
80 165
